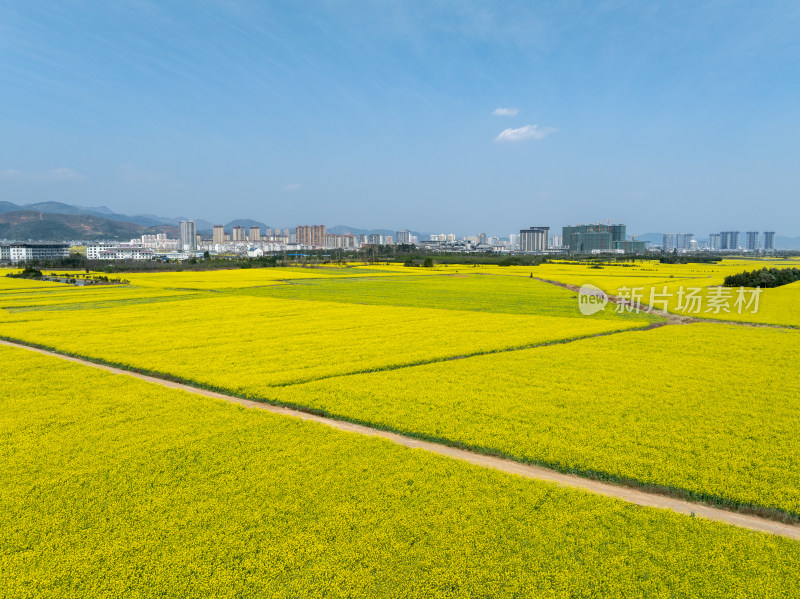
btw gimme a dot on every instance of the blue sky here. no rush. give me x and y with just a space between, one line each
677 116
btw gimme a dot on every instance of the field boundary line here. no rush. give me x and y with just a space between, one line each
387 368
626 494
673 317
478 354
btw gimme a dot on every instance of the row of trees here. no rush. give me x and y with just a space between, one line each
29 272
764 278
409 254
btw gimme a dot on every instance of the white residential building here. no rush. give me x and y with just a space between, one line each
102 251
23 252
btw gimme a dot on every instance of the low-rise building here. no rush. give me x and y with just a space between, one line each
102 251
159 241
26 251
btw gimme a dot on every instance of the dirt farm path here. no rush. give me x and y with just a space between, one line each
626 494
671 317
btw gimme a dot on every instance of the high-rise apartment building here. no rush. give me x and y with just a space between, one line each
714 241
313 236
346 241
403 237
303 235
769 240
188 237
729 240
239 234
683 241
255 234
584 239
676 241
218 236
751 241
535 239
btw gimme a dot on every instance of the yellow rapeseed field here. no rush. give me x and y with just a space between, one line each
709 410
690 289
112 487
250 277
671 407
246 344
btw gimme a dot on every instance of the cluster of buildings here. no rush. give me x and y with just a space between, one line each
580 239
238 235
599 238
304 237
253 241
612 238
592 238
726 241
732 241
680 242
469 243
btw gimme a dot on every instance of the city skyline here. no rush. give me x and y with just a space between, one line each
420 115
581 238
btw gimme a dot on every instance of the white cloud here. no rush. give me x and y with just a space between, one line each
527 132
56 174
291 187
64 174
506 112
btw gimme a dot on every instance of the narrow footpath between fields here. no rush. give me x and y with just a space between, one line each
627 494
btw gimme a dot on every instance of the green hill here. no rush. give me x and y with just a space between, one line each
40 226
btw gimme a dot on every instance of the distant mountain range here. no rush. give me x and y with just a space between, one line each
246 223
54 221
781 242
144 220
41 226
